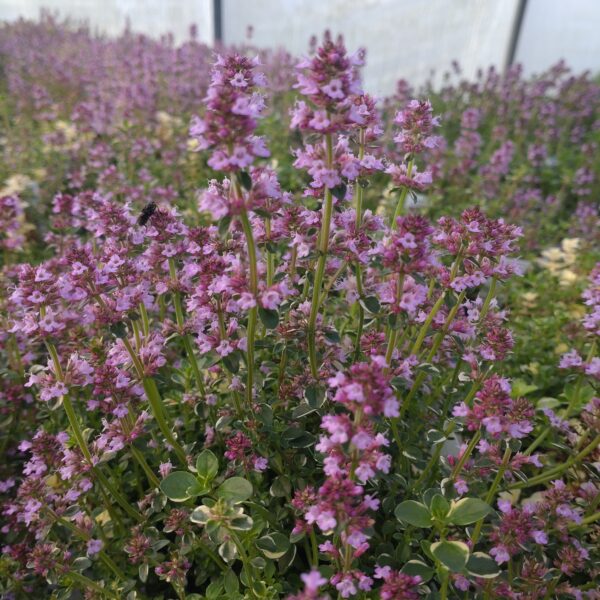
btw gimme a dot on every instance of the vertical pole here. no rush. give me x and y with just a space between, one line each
515 33
218 21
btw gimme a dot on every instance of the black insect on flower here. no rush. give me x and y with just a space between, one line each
147 212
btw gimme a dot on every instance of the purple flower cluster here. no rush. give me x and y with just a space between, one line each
232 107
495 411
591 323
353 455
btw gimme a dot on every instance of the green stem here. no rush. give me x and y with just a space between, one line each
466 455
488 299
434 460
212 555
315 548
81 443
159 413
321 264
270 255
559 469
427 323
358 223
360 326
156 404
145 319
88 584
244 556
492 491
187 344
83 535
439 338
331 282
586 521
253 315
444 588
152 478
402 198
392 333
181 325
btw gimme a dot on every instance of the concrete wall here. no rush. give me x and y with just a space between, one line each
153 17
404 38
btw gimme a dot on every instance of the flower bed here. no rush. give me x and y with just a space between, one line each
265 337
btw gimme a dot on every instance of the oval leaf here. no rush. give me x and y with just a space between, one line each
482 565
176 485
468 510
269 317
274 545
453 555
235 489
414 513
416 567
207 465
228 551
439 507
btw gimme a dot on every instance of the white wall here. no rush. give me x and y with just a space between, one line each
555 29
153 17
404 38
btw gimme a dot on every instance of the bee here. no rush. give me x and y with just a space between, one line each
147 212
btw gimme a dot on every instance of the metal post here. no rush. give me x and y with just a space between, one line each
515 33
218 21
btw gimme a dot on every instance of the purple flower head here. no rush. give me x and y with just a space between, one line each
232 108
416 123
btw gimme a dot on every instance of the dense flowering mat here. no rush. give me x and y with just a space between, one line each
265 336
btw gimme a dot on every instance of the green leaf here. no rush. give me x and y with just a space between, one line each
207 465
287 559
245 180
214 590
228 551
232 362
332 335
176 485
243 523
269 317
235 490
482 565
339 191
297 437
547 402
224 225
439 507
468 510
414 513
198 489
274 545
453 555
314 395
371 304
519 388
435 437
302 410
81 563
417 567
281 487
232 583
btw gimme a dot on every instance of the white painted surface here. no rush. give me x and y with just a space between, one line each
153 17
404 38
555 29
